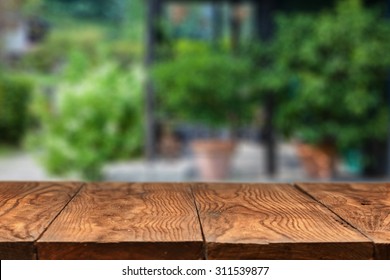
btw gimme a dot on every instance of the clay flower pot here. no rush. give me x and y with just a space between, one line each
318 160
213 158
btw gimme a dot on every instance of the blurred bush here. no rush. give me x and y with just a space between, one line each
125 52
201 85
95 117
53 53
332 71
15 94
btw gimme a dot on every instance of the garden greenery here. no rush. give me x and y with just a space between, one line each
329 75
201 85
15 94
95 117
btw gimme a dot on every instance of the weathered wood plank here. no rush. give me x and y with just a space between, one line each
263 221
26 210
126 221
365 206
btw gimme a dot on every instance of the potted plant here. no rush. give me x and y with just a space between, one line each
334 67
206 87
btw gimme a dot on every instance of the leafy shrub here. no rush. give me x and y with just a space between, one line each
204 86
125 52
47 57
15 93
96 118
334 66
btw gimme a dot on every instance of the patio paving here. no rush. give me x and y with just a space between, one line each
248 165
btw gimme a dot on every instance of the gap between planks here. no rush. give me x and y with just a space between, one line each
82 184
296 185
192 186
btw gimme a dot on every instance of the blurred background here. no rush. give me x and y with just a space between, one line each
152 90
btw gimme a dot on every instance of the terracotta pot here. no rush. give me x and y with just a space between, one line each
213 158
318 161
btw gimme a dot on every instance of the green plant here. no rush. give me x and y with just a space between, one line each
96 117
204 86
15 94
125 52
31 6
49 56
333 67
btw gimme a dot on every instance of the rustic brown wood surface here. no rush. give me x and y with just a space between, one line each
26 210
244 221
194 221
126 221
365 206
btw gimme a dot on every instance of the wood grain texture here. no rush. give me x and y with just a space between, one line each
126 221
26 210
365 206
263 221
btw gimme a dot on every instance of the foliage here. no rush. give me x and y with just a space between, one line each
334 66
92 40
125 52
110 10
134 23
15 93
268 74
201 85
96 117
54 52
31 7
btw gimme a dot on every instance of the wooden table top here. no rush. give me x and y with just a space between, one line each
75 220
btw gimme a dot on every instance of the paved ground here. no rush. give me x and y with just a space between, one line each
22 166
248 165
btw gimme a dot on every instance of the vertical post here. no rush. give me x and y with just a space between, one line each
265 30
217 23
235 26
235 39
153 18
